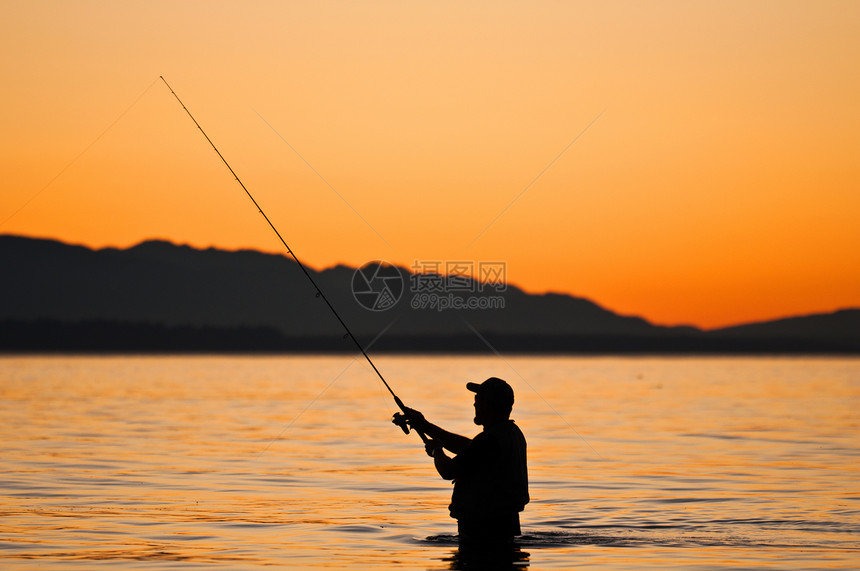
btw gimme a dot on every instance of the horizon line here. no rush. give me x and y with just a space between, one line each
277 252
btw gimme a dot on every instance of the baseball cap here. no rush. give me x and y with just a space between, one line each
495 390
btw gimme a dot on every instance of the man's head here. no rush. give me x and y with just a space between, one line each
494 399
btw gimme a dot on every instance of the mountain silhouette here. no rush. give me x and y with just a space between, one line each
161 296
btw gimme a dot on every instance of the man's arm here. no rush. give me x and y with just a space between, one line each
444 465
453 442
450 441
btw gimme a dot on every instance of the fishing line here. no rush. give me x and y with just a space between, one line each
535 179
319 292
79 155
322 178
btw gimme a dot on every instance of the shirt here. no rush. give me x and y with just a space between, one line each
492 476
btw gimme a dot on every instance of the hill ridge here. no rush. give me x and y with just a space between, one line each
159 283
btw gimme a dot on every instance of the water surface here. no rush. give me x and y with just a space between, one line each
245 461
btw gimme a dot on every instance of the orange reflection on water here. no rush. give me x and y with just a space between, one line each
292 461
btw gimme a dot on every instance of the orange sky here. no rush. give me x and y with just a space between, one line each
720 184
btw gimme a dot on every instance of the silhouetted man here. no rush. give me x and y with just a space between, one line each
489 470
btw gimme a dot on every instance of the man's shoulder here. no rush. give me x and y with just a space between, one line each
504 427
506 431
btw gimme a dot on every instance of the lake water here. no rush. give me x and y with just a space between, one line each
241 462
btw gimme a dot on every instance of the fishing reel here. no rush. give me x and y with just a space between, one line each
400 420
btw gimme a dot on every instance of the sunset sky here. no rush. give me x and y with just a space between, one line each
713 176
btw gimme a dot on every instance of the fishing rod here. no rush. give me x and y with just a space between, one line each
399 419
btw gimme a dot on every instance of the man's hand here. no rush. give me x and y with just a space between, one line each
433 447
416 420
